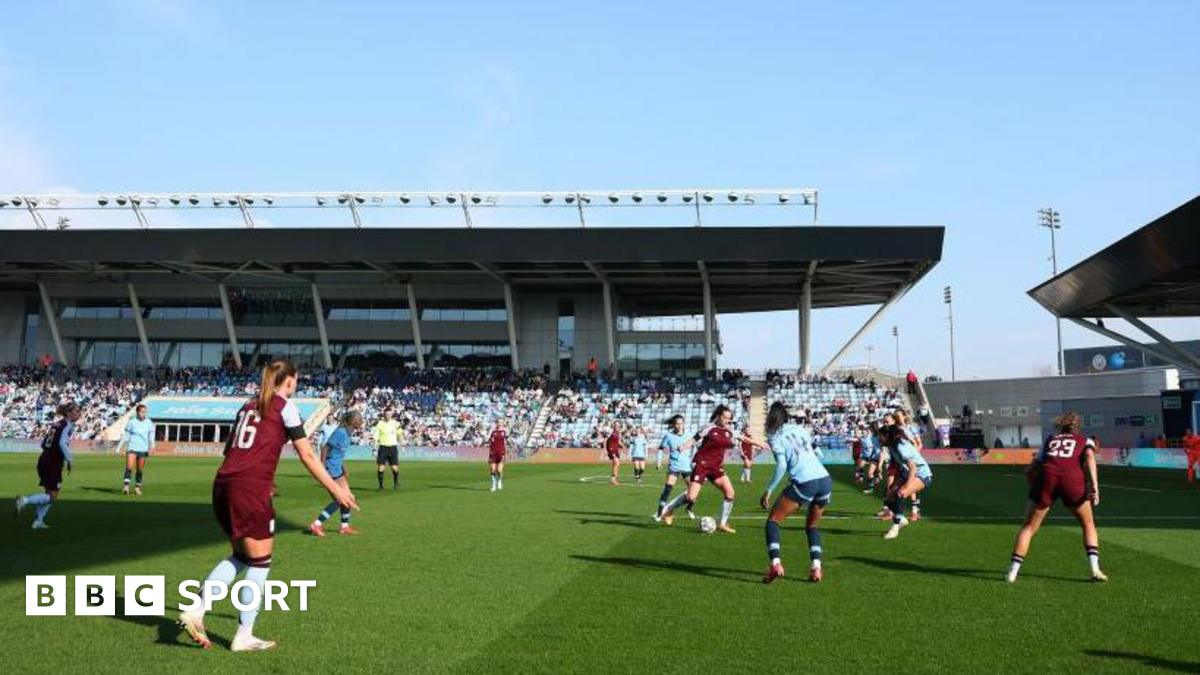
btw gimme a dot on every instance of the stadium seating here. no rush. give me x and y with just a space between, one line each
836 407
581 414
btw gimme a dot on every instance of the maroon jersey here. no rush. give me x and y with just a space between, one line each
498 442
253 447
1064 454
714 443
613 444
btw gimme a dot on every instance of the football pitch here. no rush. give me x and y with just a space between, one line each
557 574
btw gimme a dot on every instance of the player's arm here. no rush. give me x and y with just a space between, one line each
124 439
747 438
776 477
304 450
64 446
1093 473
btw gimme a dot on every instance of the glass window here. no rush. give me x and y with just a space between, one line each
190 354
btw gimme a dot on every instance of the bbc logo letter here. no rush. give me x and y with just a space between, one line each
96 595
45 595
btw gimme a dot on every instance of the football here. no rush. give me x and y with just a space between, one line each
708 525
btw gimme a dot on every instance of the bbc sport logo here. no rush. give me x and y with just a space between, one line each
146 595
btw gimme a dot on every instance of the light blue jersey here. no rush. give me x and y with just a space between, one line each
139 435
870 448
326 431
338 442
637 447
906 451
795 455
680 460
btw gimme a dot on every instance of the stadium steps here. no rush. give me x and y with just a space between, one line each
758 408
539 425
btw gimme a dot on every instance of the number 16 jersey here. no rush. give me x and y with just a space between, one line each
256 441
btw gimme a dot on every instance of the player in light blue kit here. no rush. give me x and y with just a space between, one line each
138 441
637 453
913 472
914 434
796 457
333 456
678 447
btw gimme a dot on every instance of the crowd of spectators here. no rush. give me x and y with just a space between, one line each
29 396
837 408
583 413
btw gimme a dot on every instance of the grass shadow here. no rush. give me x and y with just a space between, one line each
169 632
86 533
975 574
723 573
1147 661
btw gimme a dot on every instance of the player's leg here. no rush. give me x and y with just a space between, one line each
129 460
895 505
394 459
615 468
812 530
256 554
345 528
492 474
784 507
726 487
141 468
42 503
380 463
1091 538
500 475
666 493
686 500
1035 513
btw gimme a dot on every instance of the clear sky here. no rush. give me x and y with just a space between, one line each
968 115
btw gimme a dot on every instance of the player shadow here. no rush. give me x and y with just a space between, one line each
105 490
844 532
104 532
619 522
169 632
724 573
991 575
612 514
1148 661
463 488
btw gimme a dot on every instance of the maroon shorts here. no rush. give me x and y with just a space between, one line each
748 454
244 511
614 454
702 473
1047 487
50 469
893 470
495 458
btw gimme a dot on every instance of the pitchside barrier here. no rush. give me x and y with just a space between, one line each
1145 458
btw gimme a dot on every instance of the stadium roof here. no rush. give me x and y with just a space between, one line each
1153 272
656 270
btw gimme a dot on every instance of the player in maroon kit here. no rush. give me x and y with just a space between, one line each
709 465
56 452
1058 472
747 456
612 448
497 447
242 497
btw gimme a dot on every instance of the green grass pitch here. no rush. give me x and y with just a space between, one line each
557 575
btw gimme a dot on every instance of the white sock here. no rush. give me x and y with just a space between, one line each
1014 568
258 575
816 563
726 509
37 499
225 572
776 561
1094 560
42 510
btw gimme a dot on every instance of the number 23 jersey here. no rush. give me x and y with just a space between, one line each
1064 453
256 441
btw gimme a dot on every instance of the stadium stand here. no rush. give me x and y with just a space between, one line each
837 408
583 411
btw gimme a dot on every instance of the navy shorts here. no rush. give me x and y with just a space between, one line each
816 492
387 454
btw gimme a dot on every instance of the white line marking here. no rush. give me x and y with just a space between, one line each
1126 487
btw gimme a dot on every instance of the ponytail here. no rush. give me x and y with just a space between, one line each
273 376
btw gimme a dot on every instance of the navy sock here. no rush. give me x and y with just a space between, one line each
139 478
127 472
772 540
345 517
380 475
666 493
395 477
814 543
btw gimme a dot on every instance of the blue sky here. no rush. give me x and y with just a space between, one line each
967 115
